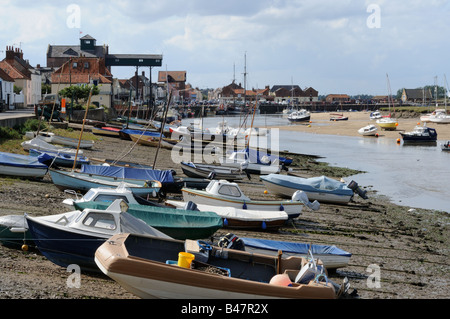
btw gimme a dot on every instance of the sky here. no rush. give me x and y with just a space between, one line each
336 47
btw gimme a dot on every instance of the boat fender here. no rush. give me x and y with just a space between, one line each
263 225
225 222
281 207
244 206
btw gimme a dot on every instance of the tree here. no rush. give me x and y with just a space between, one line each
78 92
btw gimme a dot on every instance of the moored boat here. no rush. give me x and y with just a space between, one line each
147 267
176 223
299 116
201 170
224 193
60 159
74 236
387 123
21 165
321 188
420 134
239 218
83 182
368 130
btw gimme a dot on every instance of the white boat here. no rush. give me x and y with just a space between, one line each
105 194
240 218
321 188
375 115
427 117
224 193
440 118
299 116
261 166
368 130
50 137
38 144
387 123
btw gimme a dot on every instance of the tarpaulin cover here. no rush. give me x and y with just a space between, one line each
292 247
163 176
313 184
20 160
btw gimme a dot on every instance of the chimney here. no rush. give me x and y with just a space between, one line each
9 53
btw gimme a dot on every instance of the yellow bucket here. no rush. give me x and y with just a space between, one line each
185 259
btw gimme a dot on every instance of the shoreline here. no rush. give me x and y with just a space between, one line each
320 124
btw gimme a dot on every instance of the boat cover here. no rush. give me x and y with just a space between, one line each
319 183
292 247
255 156
19 160
139 132
163 216
163 176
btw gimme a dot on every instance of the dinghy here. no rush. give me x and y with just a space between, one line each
224 193
21 165
321 188
151 267
60 159
200 170
238 218
38 144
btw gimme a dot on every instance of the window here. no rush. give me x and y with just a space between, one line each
100 220
75 65
86 65
229 190
109 198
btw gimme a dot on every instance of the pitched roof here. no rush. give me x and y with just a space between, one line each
5 77
417 93
70 51
12 71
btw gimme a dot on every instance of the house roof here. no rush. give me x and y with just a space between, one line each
5 77
176 76
70 51
287 87
417 93
12 71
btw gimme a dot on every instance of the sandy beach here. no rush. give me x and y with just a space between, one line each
397 252
320 124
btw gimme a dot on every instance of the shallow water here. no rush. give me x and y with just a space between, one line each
415 175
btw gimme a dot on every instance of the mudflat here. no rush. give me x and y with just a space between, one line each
397 252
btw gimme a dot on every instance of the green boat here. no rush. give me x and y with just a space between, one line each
176 223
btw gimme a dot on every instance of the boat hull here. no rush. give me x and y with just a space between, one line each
293 209
142 266
286 189
70 248
204 171
83 182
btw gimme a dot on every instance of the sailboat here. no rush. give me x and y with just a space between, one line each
386 122
440 115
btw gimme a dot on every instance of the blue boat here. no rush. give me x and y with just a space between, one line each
84 181
125 133
21 165
59 159
331 256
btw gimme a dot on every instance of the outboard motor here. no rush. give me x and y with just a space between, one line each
231 241
212 175
190 206
300 196
355 188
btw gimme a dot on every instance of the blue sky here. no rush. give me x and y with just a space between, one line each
344 46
